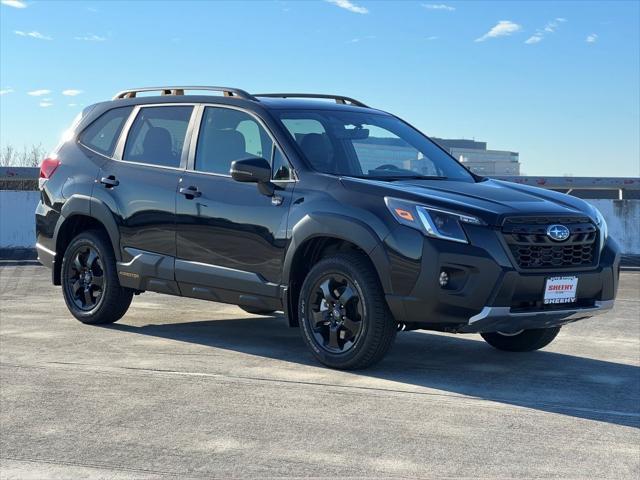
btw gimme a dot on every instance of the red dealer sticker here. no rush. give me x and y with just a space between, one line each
560 290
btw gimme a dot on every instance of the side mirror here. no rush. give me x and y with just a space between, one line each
254 170
251 170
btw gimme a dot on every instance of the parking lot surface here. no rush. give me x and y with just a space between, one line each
184 388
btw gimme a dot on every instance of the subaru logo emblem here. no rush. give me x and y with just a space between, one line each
559 233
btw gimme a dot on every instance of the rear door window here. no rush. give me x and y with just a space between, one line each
102 135
157 136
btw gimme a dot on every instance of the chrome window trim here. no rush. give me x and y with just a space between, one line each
196 135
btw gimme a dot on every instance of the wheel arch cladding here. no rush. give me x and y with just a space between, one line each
319 234
81 213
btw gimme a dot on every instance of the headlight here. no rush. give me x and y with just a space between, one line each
601 223
432 221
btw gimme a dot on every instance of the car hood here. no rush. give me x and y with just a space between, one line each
491 200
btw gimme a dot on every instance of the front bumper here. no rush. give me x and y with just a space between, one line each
486 292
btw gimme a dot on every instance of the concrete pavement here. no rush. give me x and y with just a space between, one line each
190 389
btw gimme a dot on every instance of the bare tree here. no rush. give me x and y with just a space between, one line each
29 156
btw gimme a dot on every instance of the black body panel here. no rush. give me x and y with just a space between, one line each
144 205
233 225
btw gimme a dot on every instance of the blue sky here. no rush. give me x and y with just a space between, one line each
556 81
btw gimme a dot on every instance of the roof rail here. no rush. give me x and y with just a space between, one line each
227 91
338 98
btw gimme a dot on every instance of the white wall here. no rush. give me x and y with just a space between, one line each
17 218
17 223
623 220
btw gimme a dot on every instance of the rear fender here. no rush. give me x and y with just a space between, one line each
94 208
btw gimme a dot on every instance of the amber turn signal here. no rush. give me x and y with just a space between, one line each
404 214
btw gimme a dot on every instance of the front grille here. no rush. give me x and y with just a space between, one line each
533 249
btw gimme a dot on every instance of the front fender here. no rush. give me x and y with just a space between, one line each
335 225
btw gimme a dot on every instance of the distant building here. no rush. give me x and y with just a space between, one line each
475 156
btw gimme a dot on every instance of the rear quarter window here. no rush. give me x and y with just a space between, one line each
102 135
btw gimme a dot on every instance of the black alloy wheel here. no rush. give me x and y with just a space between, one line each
344 317
336 313
84 278
89 278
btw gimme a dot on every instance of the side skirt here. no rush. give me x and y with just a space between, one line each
147 271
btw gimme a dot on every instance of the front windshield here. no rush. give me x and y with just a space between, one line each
368 145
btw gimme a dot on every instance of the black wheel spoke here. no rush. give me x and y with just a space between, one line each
319 319
326 290
98 281
75 288
88 298
77 263
352 328
347 295
91 258
333 337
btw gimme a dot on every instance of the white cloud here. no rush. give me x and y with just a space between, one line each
39 93
90 38
33 34
438 6
360 39
550 27
45 104
72 104
502 29
14 3
593 38
71 92
348 5
533 39
553 25
5 91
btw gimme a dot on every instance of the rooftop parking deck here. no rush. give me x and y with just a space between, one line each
183 388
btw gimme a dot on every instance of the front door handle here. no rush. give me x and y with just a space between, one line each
190 192
110 181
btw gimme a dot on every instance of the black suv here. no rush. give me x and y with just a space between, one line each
346 218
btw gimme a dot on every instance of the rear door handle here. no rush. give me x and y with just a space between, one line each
110 181
190 192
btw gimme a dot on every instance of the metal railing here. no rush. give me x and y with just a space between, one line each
19 173
621 187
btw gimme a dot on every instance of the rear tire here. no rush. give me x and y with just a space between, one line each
344 317
525 341
257 311
90 284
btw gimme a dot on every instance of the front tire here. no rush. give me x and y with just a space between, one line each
344 317
525 341
90 284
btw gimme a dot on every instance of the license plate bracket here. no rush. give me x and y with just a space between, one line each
560 290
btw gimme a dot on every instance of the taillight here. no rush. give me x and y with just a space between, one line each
48 166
